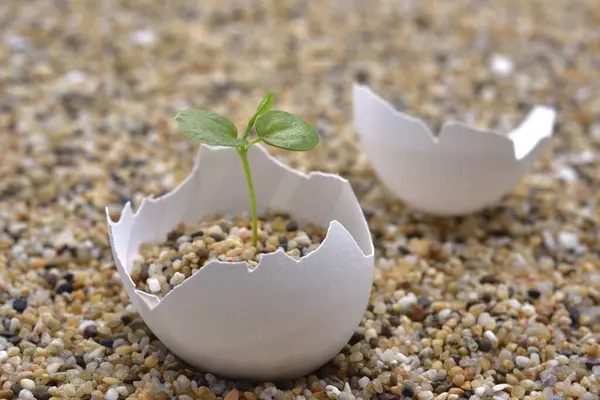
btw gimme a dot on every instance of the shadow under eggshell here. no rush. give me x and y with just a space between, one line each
286 317
461 171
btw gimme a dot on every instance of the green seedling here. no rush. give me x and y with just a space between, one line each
273 127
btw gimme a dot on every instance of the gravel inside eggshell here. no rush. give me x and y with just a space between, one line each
162 266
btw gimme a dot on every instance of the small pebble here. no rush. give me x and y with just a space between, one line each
25 394
111 394
154 285
19 305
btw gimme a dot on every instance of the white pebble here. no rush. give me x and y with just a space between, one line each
3 356
185 247
501 65
17 43
74 77
523 362
500 387
27 384
215 229
52 368
370 333
111 394
268 393
143 37
515 304
566 173
184 382
548 393
154 285
363 382
401 358
444 314
123 391
484 318
425 395
406 302
291 244
332 391
347 388
26 395
411 259
302 240
387 356
183 239
177 279
491 336
528 310
379 308
85 323
568 240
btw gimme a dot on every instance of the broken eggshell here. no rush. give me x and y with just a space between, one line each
461 171
286 317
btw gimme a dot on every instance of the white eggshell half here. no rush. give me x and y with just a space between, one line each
286 317
461 171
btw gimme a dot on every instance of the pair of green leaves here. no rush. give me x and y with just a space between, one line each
274 127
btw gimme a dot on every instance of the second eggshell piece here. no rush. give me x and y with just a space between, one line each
461 171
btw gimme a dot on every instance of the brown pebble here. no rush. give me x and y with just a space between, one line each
491 279
36 263
202 255
161 396
458 380
234 394
6 394
250 396
129 379
205 393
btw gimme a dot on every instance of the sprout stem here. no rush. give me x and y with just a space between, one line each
249 127
244 156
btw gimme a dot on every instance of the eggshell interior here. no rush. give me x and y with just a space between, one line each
286 317
461 171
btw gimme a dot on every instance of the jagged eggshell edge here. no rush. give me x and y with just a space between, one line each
461 171
282 319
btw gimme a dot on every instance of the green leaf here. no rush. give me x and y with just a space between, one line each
208 127
266 104
286 131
